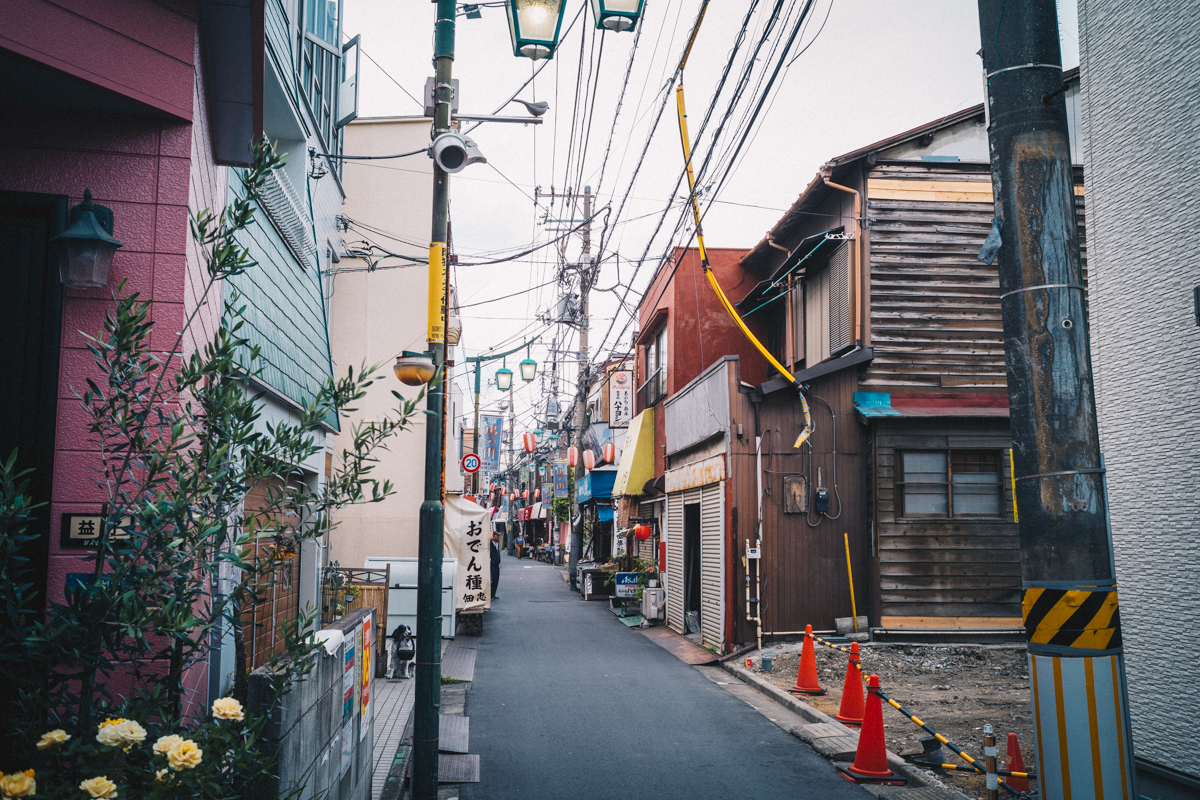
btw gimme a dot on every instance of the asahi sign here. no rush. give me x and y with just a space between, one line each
620 399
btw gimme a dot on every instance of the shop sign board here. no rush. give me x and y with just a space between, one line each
627 583
620 399
365 694
560 479
493 428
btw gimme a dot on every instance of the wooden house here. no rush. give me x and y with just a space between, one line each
876 299
870 290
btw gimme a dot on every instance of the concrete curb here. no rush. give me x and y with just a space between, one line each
917 778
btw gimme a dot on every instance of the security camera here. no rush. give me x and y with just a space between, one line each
453 152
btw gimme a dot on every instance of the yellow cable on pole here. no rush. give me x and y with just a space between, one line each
708 273
1012 473
850 572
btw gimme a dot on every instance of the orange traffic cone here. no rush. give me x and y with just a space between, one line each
870 759
1016 764
850 712
806 677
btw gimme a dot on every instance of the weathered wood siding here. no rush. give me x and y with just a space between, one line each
935 308
804 567
944 567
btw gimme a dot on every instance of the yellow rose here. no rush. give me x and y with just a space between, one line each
99 786
227 708
18 784
107 734
165 743
51 739
184 755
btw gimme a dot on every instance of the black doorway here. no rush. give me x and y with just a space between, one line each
691 557
30 327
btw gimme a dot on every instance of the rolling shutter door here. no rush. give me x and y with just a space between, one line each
675 561
712 564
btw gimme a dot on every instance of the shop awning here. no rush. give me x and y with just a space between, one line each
523 514
637 458
537 511
596 484
605 514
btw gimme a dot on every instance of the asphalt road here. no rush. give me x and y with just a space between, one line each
569 703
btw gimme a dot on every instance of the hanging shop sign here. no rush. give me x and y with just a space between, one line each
465 538
620 399
493 430
560 479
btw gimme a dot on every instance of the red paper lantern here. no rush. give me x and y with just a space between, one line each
530 442
513 496
642 532
589 460
525 495
537 494
609 453
572 457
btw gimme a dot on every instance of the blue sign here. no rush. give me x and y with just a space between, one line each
493 427
560 479
627 583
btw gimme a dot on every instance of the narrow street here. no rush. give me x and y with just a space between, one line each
568 702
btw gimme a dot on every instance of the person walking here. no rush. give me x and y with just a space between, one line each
494 551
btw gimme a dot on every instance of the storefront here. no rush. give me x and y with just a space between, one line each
593 492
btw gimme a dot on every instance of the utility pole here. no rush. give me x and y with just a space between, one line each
585 285
1077 663
428 689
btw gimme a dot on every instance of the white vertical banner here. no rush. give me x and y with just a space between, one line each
620 399
466 538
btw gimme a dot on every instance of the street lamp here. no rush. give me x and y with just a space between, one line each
533 26
540 434
414 369
528 368
504 377
616 15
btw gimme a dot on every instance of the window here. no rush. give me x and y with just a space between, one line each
826 315
320 67
655 385
949 483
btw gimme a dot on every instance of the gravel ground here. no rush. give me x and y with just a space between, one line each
954 689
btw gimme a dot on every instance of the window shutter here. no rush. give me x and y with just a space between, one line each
839 299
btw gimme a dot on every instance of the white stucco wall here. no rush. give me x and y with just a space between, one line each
376 315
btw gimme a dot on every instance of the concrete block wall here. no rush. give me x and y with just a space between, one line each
306 727
1141 123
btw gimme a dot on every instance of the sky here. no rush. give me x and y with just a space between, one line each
869 69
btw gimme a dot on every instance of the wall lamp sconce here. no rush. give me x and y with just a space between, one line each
85 250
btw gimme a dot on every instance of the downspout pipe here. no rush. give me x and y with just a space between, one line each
827 176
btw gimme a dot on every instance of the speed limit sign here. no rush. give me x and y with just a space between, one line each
470 463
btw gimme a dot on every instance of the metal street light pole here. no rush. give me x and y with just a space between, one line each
477 361
1077 667
429 567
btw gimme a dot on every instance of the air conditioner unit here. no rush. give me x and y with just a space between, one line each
654 603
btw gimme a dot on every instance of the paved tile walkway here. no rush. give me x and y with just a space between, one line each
393 705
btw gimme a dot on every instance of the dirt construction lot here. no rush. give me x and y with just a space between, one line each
954 689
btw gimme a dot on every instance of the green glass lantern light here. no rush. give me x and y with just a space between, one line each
534 26
617 15
504 377
85 250
540 434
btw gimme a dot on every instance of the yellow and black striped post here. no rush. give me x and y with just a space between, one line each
1072 620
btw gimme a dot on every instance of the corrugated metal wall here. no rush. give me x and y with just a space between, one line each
712 565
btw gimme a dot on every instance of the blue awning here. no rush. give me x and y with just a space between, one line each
606 514
595 485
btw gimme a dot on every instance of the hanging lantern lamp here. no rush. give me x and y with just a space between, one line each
572 457
642 532
534 26
609 453
530 441
504 378
528 367
589 460
616 15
